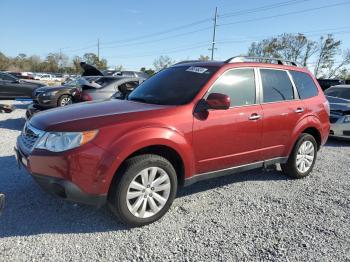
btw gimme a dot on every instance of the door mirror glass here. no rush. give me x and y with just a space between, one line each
218 101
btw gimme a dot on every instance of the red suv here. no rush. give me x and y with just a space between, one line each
189 122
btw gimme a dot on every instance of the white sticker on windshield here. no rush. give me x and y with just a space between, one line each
195 69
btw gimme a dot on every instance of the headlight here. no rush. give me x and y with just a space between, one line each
62 141
48 94
347 119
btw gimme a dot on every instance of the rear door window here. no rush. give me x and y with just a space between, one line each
276 85
305 84
239 85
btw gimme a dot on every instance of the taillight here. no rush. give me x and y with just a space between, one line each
326 106
86 97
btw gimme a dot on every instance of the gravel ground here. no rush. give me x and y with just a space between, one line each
260 215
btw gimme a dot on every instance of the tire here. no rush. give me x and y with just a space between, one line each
301 154
138 211
64 100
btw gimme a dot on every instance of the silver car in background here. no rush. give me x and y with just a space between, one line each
339 101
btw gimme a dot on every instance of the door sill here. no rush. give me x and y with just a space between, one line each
233 170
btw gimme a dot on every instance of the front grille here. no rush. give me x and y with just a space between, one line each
346 132
30 136
333 119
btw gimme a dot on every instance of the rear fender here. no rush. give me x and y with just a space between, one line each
310 121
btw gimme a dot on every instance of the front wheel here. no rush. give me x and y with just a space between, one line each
143 190
303 157
65 100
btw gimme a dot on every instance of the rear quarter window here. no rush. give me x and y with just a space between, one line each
305 85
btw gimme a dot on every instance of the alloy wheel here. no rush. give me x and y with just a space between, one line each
148 192
66 101
305 156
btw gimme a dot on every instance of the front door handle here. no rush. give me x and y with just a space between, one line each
299 110
254 117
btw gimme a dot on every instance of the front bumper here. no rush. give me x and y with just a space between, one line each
67 190
341 130
74 176
46 101
338 127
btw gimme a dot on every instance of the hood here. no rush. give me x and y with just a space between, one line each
90 115
29 83
52 88
89 70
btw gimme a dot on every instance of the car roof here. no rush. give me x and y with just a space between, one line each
240 64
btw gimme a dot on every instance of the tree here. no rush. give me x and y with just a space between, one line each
76 64
4 62
204 58
328 49
297 47
162 62
149 71
119 68
286 46
92 59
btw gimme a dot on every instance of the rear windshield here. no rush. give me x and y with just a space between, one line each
338 92
174 85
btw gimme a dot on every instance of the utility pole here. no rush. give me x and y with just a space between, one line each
98 49
60 58
214 34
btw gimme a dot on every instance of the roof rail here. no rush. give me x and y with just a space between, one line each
187 61
258 59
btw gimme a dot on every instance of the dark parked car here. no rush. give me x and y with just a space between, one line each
83 89
13 87
339 100
327 83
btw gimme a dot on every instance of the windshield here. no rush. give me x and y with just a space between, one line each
173 86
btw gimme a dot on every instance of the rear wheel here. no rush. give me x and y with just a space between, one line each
303 157
143 190
65 100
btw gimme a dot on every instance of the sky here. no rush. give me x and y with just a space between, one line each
134 33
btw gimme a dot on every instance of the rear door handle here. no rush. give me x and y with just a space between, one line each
254 117
299 110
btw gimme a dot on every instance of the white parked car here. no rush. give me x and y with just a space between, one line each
46 77
37 76
58 78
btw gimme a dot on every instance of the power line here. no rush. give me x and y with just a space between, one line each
160 33
285 14
98 49
198 45
241 12
157 40
262 8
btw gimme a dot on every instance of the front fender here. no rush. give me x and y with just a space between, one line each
133 141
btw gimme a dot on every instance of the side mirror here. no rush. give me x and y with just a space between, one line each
218 101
